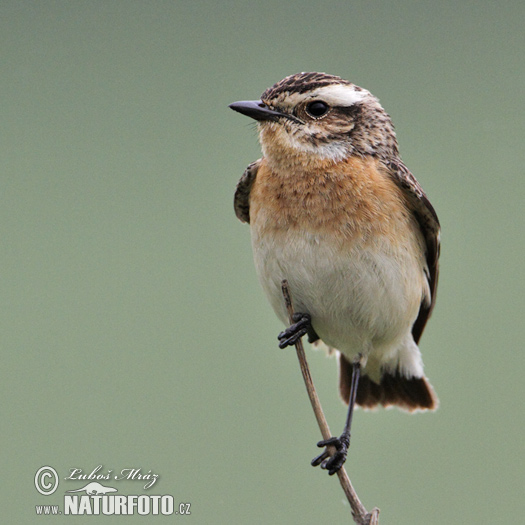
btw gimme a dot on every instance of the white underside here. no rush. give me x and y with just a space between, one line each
363 300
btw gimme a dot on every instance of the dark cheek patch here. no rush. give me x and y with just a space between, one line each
349 112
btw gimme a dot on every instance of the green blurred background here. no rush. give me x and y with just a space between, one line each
133 330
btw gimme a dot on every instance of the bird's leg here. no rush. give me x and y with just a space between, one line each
302 326
334 462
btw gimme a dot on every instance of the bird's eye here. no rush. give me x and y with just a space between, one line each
317 109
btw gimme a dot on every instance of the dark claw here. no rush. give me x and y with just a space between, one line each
294 332
293 339
336 461
320 458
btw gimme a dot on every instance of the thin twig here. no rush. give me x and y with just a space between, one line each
359 512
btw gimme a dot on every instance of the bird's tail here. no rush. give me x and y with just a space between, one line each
407 393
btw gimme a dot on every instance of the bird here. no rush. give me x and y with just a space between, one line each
333 209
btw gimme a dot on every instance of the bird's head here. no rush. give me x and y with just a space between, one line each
311 118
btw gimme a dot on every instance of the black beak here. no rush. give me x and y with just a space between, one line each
256 110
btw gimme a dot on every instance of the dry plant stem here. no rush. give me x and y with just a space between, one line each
359 512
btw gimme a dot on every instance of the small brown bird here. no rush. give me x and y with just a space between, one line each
334 211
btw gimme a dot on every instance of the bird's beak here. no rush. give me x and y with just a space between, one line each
256 109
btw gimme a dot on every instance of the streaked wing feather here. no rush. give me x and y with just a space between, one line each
429 224
241 199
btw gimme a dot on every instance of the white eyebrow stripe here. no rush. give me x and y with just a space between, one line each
339 94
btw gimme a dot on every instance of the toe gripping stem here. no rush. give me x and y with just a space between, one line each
302 326
327 460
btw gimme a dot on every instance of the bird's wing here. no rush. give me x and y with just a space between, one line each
428 222
241 200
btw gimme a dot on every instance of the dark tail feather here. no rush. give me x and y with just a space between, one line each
394 390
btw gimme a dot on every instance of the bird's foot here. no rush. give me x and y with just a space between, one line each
334 462
302 325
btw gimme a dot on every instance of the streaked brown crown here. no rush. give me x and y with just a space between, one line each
301 83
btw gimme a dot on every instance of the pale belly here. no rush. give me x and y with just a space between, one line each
363 297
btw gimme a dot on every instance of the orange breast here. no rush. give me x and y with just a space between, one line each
353 199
